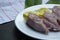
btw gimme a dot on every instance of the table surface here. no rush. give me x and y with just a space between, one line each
8 31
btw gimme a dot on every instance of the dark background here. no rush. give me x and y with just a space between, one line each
8 31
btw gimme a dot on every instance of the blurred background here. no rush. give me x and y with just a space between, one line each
10 8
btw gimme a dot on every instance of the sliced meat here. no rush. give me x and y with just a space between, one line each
56 11
37 23
51 26
51 17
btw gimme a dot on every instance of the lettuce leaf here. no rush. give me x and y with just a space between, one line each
53 2
29 3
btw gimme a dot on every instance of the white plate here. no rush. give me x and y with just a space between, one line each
20 24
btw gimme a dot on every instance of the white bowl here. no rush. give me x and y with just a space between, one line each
21 24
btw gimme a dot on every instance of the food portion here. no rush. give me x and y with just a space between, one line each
51 17
51 26
56 11
36 22
39 12
44 20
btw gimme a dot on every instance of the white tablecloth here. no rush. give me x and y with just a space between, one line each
10 8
